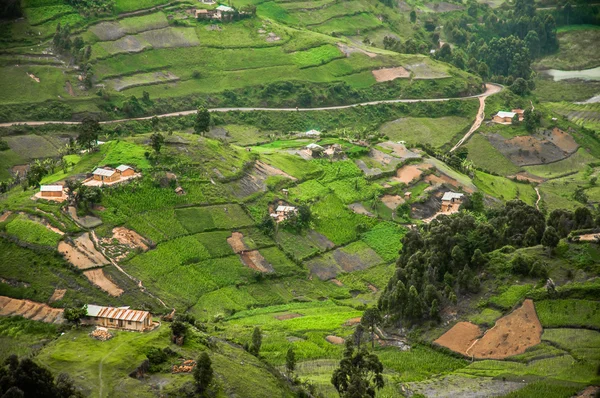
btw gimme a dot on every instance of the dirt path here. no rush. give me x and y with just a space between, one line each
539 197
491 89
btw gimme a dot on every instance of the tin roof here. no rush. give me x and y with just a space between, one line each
124 167
313 132
452 195
123 314
224 8
103 172
314 146
503 114
51 188
285 209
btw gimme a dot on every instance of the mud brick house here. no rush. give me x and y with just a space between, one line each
52 191
451 201
118 318
106 174
125 170
503 117
283 212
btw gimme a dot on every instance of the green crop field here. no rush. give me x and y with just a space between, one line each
485 155
434 131
576 51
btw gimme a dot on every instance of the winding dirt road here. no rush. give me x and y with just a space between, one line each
491 89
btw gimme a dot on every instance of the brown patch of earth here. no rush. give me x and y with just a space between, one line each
85 221
253 259
30 310
589 237
358 208
98 278
335 340
236 241
34 77
589 392
460 337
525 176
69 89
336 282
5 215
372 288
57 295
388 74
129 238
392 201
255 180
352 321
347 50
288 316
408 173
562 140
400 150
82 253
511 335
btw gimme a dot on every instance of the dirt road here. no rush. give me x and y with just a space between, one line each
539 197
491 89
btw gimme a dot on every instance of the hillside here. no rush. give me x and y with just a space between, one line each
295 179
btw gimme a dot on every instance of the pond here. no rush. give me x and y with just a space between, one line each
586 74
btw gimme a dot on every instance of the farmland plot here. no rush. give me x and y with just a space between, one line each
108 31
354 257
226 216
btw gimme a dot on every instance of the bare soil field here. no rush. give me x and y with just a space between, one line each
547 147
122 242
336 282
388 74
5 215
57 295
287 316
392 201
82 253
335 340
352 321
30 310
85 221
98 278
589 237
236 241
409 173
358 208
511 335
427 209
424 71
253 259
255 181
347 50
460 337
329 265
400 150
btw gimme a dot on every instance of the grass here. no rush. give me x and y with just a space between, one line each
354 189
568 313
503 188
30 231
546 389
486 317
123 152
582 344
486 156
198 219
348 25
9 159
308 190
385 238
548 90
20 336
511 296
573 163
576 51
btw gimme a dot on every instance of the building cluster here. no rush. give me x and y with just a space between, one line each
108 174
282 213
504 117
221 13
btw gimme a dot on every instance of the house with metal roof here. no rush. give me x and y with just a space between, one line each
51 190
125 170
118 318
451 201
105 174
504 117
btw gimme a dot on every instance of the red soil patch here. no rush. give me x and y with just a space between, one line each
511 335
562 140
460 337
335 340
288 316
408 173
387 74
589 392
336 282
30 310
588 237
256 261
4 216
525 176
82 253
129 238
98 278
57 295
352 321
372 288
236 241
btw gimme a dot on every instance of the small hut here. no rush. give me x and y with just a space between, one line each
125 170
51 191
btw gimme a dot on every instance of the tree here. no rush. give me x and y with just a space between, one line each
202 121
290 361
532 119
370 319
434 310
203 374
550 239
530 237
413 16
519 86
155 121
74 315
156 142
89 130
359 374
256 341
268 225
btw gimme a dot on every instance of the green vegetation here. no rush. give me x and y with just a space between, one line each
31 231
436 132
575 50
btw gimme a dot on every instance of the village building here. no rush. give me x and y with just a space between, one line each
334 150
224 12
315 149
407 195
125 170
51 191
105 174
451 201
519 112
118 318
507 117
312 133
283 212
205 14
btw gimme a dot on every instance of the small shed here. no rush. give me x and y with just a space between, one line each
205 14
54 191
105 174
283 212
315 149
224 12
312 133
118 318
451 201
125 170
